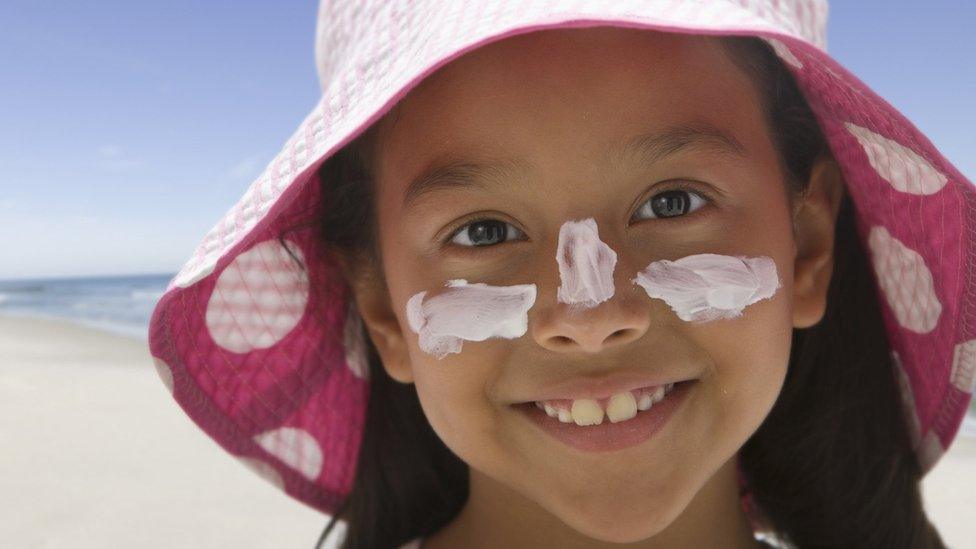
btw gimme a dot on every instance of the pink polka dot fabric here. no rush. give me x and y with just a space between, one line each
256 337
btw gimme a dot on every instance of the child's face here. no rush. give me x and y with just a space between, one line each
562 103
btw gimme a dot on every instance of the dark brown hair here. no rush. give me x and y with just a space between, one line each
830 466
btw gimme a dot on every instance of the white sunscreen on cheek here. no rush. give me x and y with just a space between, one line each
706 287
585 264
473 312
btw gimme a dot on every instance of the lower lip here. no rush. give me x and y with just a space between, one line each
609 436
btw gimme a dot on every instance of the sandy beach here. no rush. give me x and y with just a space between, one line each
97 454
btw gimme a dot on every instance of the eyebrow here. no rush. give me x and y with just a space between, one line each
648 148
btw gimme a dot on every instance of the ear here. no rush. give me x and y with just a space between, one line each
814 225
373 302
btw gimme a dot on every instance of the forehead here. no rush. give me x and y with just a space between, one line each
553 98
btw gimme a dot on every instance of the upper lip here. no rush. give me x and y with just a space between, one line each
603 386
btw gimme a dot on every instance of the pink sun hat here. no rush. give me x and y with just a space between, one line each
257 338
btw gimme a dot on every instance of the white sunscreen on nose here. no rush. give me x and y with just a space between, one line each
706 287
585 264
473 312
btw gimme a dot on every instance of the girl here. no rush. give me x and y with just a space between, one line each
662 275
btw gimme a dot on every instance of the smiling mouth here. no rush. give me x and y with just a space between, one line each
589 431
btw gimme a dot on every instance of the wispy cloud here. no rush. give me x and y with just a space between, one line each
110 151
116 158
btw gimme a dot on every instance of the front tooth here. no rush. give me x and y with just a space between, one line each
587 411
622 406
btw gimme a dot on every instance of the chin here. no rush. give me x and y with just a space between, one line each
620 520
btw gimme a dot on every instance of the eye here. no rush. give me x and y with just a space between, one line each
675 202
483 232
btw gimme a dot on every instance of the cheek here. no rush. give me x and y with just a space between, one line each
452 393
751 358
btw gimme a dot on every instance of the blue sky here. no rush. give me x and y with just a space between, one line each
129 128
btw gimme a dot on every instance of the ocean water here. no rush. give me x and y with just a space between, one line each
124 304
119 304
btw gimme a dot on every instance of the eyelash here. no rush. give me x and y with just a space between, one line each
691 189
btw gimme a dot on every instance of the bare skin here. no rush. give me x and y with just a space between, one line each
560 100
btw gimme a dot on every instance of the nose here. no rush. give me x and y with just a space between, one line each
570 328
